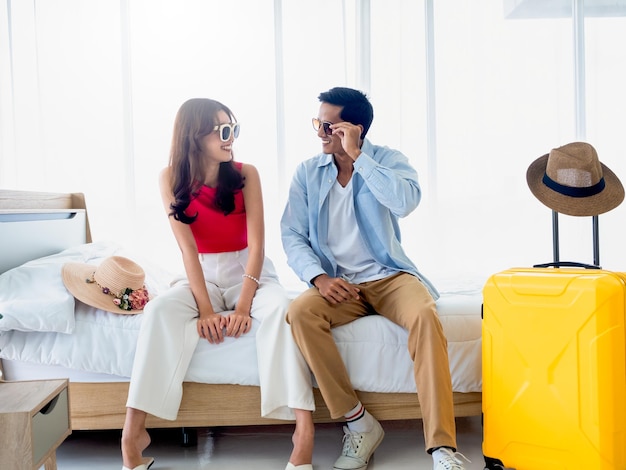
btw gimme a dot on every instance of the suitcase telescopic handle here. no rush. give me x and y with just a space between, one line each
566 264
555 247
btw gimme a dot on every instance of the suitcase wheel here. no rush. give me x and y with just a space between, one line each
495 464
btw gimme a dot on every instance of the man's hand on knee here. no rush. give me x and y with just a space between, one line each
336 290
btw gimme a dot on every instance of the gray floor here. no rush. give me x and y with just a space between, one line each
263 448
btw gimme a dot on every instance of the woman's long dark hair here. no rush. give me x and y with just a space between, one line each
195 119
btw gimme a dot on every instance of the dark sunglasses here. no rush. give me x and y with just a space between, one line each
226 130
325 124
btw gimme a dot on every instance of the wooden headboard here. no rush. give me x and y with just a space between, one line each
35 224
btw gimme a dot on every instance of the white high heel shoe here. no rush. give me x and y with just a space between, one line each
306 466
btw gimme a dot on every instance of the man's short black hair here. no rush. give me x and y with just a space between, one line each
356 107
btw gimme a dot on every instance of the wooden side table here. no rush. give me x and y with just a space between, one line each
34 421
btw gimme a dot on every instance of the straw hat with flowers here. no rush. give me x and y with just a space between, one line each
116 285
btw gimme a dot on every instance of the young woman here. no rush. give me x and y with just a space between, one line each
215 208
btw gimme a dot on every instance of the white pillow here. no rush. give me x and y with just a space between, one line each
33 296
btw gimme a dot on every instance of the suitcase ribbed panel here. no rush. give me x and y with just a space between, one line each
554 369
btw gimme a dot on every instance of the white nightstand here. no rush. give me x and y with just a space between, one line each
34 421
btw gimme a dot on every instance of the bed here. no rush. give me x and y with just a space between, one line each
40 231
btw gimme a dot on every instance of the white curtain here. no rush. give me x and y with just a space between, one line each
89 90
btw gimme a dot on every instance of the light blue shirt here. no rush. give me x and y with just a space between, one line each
385 188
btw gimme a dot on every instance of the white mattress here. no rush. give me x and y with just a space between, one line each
101 348
45 334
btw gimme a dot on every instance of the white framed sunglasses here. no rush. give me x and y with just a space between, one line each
227 129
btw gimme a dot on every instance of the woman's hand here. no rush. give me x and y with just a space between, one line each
238 323
210 327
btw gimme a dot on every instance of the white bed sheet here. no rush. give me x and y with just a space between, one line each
374 350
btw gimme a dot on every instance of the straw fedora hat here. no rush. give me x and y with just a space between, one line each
116 285
571 180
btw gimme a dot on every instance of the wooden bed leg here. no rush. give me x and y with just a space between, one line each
189 437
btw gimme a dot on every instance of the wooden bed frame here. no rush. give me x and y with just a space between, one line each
102 405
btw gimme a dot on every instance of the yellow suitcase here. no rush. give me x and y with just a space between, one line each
554 369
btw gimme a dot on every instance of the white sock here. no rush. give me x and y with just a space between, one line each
359 420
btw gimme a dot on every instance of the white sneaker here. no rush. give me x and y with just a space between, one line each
358 447
447 460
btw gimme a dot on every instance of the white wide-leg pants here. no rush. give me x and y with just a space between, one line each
168 338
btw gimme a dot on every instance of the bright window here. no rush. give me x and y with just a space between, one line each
469 91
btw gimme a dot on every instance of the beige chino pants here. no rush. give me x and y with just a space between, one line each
404 300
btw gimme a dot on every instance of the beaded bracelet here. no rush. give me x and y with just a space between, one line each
258 283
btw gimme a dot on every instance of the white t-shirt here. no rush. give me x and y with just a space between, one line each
354 262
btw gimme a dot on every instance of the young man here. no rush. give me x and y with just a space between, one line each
341 235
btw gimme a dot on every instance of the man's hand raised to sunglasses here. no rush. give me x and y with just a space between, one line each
350 136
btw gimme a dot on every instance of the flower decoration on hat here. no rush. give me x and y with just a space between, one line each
127 298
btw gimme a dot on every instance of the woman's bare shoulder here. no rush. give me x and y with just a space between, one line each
248 169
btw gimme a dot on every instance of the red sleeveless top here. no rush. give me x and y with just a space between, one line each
215 232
